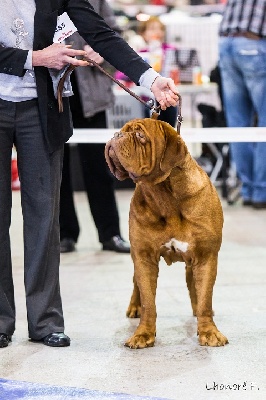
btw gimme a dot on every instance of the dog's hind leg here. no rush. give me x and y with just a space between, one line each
191 289
134 308
204 276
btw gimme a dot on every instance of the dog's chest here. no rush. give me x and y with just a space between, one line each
157 221
161 227
155 203
156 212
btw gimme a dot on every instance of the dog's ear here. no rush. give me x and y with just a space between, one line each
175 149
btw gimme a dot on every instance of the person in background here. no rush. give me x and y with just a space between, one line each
30 68
150 44
242 61
92 96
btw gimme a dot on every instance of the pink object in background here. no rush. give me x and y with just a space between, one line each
15 182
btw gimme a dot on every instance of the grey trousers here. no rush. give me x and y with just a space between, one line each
40 176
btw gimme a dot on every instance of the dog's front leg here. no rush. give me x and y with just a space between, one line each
191 289
145 276
204 278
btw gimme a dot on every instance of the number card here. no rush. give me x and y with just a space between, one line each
64 28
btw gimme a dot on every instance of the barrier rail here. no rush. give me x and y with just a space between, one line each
190 135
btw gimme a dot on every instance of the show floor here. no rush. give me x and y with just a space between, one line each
96 287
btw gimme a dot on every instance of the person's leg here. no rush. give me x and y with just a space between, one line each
255 75
99 186
7 304
69 226
238 110
99 183
40 176
259 190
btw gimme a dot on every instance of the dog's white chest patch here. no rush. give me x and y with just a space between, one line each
176 245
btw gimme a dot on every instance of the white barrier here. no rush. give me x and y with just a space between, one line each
190 135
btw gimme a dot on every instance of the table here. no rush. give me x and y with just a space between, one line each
194 91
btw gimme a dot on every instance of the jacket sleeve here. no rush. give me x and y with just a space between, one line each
105 40
12 61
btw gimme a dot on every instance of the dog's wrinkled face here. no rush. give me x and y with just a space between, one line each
144 149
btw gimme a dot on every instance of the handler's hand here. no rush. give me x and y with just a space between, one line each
58 56
165 92
90 53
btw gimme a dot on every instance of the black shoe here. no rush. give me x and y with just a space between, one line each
261 205
56 339
67 245
116 243
4 340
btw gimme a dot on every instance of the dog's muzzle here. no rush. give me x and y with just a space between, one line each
113 162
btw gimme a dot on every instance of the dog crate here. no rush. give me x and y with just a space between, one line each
125 108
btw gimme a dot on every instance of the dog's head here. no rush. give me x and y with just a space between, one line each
145 150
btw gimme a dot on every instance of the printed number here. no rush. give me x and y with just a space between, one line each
60 27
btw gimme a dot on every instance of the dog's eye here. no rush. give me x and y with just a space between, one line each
141 137
118 134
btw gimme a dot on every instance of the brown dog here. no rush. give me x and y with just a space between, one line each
175 213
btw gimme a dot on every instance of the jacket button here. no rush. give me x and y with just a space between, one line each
10 69
50 106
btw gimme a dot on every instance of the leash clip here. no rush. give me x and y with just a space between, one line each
180 119
155 111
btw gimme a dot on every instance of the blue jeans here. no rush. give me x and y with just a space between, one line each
243 72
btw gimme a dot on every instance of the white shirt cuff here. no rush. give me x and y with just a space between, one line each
146 80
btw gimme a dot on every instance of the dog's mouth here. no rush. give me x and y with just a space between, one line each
114 164
134 177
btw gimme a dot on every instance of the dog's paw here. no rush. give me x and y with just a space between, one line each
140 341
133 311
213 338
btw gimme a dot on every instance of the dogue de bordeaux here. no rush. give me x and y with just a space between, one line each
175 213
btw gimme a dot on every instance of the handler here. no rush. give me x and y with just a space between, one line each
30 66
